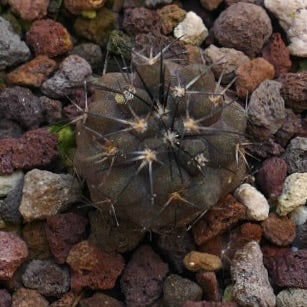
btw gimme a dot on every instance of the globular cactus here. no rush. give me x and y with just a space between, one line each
158 146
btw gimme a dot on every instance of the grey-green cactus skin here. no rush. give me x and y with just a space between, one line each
159 145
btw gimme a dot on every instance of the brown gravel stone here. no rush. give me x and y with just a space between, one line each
214 246
49 38
35 237
271 176
277 53
36 148
221 217
210 304
13 253
29 9
93 268
279 230
196 261
33 73
52 109
289 270
210 4
243 26
63 231
170 16
28 298
77 6
210 286
141 282
5 298
100 300
294 90
69 299
251 74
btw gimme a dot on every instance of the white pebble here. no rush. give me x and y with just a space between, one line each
257 205
299 215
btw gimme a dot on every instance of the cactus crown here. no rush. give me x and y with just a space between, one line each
157 146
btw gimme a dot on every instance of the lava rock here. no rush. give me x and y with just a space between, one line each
77 6
266 108
5 298
33 73
252 286
35 236
296 155
96 30
153 3
224 60
93 268
266 149
210 4
113 239
90 52
13 253
29 10
52 109
291 298
46 194
120 44
243 26
49 37
210 286
12 49
210 304
9 128
100 300
220 218
170 16
178 290
20 104
36 148
257 205
142 20
26 298
9 182
293 23
251 74
271 176
294 193
277 54
288 270
9 208
196 261
141 282
63 231
258 2
294 90
279 230
174 246
46 277
72 73
191 30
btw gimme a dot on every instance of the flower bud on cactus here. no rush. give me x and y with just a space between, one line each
158 145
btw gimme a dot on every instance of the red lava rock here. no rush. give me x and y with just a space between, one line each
214 246
13 253
21 105
36 148
142 20
63 231
49 38
29 9
142 279
271 176
68 299
243 26
292 126
5 298
210 285
35 237
92 267
221 217
265 149
52 109
100 300
279 230
77 6
33 73
27 298
294 90
289 270
251 74
277 53
210 304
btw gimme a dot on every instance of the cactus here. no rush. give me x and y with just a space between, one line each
158 145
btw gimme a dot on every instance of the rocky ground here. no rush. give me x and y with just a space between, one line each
250 249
